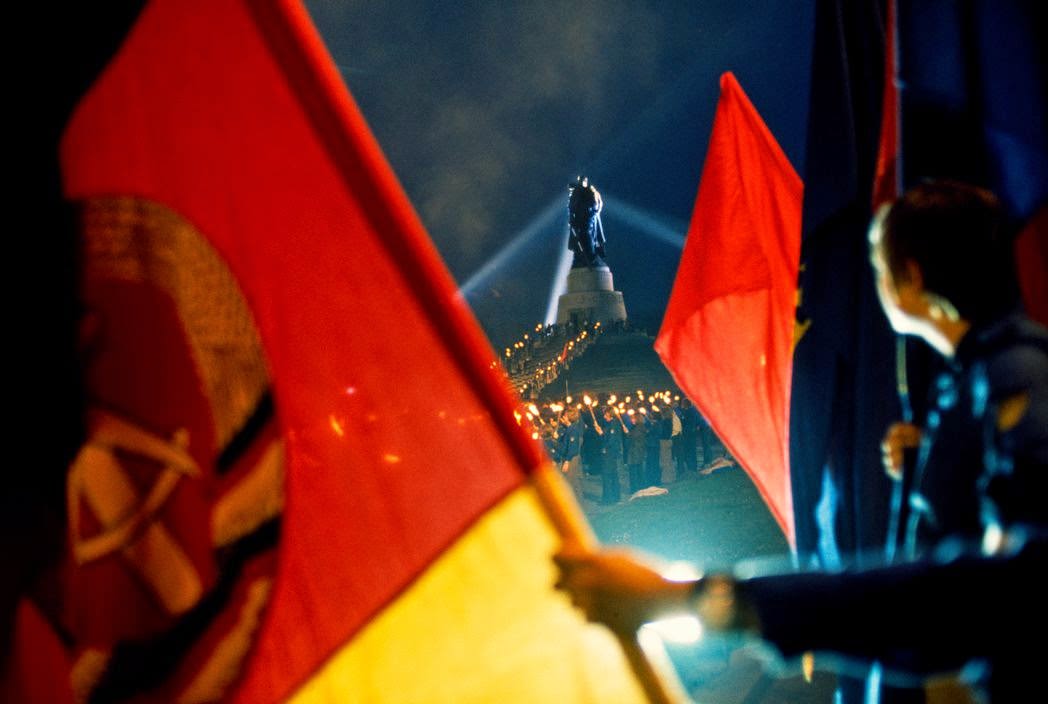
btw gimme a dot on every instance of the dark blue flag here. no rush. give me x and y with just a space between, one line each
843 394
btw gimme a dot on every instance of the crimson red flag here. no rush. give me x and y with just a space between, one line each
727 335
303 478
885 181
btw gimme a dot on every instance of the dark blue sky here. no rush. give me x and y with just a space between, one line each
486 110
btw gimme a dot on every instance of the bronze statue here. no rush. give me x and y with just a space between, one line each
586 234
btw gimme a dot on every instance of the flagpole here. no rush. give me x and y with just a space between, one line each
653 669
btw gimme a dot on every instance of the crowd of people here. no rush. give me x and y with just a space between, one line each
637 441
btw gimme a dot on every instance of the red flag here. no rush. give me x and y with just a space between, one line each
728 331
1031 257
885 181
229 182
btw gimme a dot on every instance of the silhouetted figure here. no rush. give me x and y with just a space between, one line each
586 238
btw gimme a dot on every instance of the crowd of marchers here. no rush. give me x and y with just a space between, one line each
624 444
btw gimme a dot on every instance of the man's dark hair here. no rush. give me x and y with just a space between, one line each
958 237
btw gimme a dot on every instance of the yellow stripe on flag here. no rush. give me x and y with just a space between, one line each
482 624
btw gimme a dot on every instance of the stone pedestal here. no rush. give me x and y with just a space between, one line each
591 297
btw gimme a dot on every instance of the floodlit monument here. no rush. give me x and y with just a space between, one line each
591 295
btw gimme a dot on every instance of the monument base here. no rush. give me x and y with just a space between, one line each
591 297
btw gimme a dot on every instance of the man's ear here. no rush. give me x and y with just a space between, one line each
914 277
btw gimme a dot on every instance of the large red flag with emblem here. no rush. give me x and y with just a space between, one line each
728 330
303 478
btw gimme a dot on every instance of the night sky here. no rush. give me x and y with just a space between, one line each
486 110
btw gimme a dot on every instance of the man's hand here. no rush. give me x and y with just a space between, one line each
899 438
616 588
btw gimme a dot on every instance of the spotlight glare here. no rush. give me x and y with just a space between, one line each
684 630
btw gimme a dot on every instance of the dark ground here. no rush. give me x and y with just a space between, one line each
714 522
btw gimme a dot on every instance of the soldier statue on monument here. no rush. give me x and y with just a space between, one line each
590 296
586 237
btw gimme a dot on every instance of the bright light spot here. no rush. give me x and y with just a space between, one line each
534 436
651 643
442 414
993 539
391 458
350 390
336 426
681 572
679 629
764 360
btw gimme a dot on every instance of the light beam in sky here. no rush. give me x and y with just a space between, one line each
661 228
560 280
541 221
